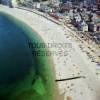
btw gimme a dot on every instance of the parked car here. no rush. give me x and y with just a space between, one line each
96 37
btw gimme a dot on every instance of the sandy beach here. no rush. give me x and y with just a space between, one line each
70 60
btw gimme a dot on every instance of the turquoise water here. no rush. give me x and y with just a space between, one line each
22 75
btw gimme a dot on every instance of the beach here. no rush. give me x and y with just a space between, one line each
69 59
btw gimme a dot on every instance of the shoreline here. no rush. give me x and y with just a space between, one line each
43 65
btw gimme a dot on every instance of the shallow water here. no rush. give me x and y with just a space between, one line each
23 76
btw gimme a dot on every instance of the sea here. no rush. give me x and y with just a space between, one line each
23 76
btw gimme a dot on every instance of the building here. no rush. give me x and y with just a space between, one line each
6 2
98 4
92 27
98 23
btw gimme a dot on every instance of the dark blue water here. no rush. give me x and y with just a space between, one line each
15 56
23 76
